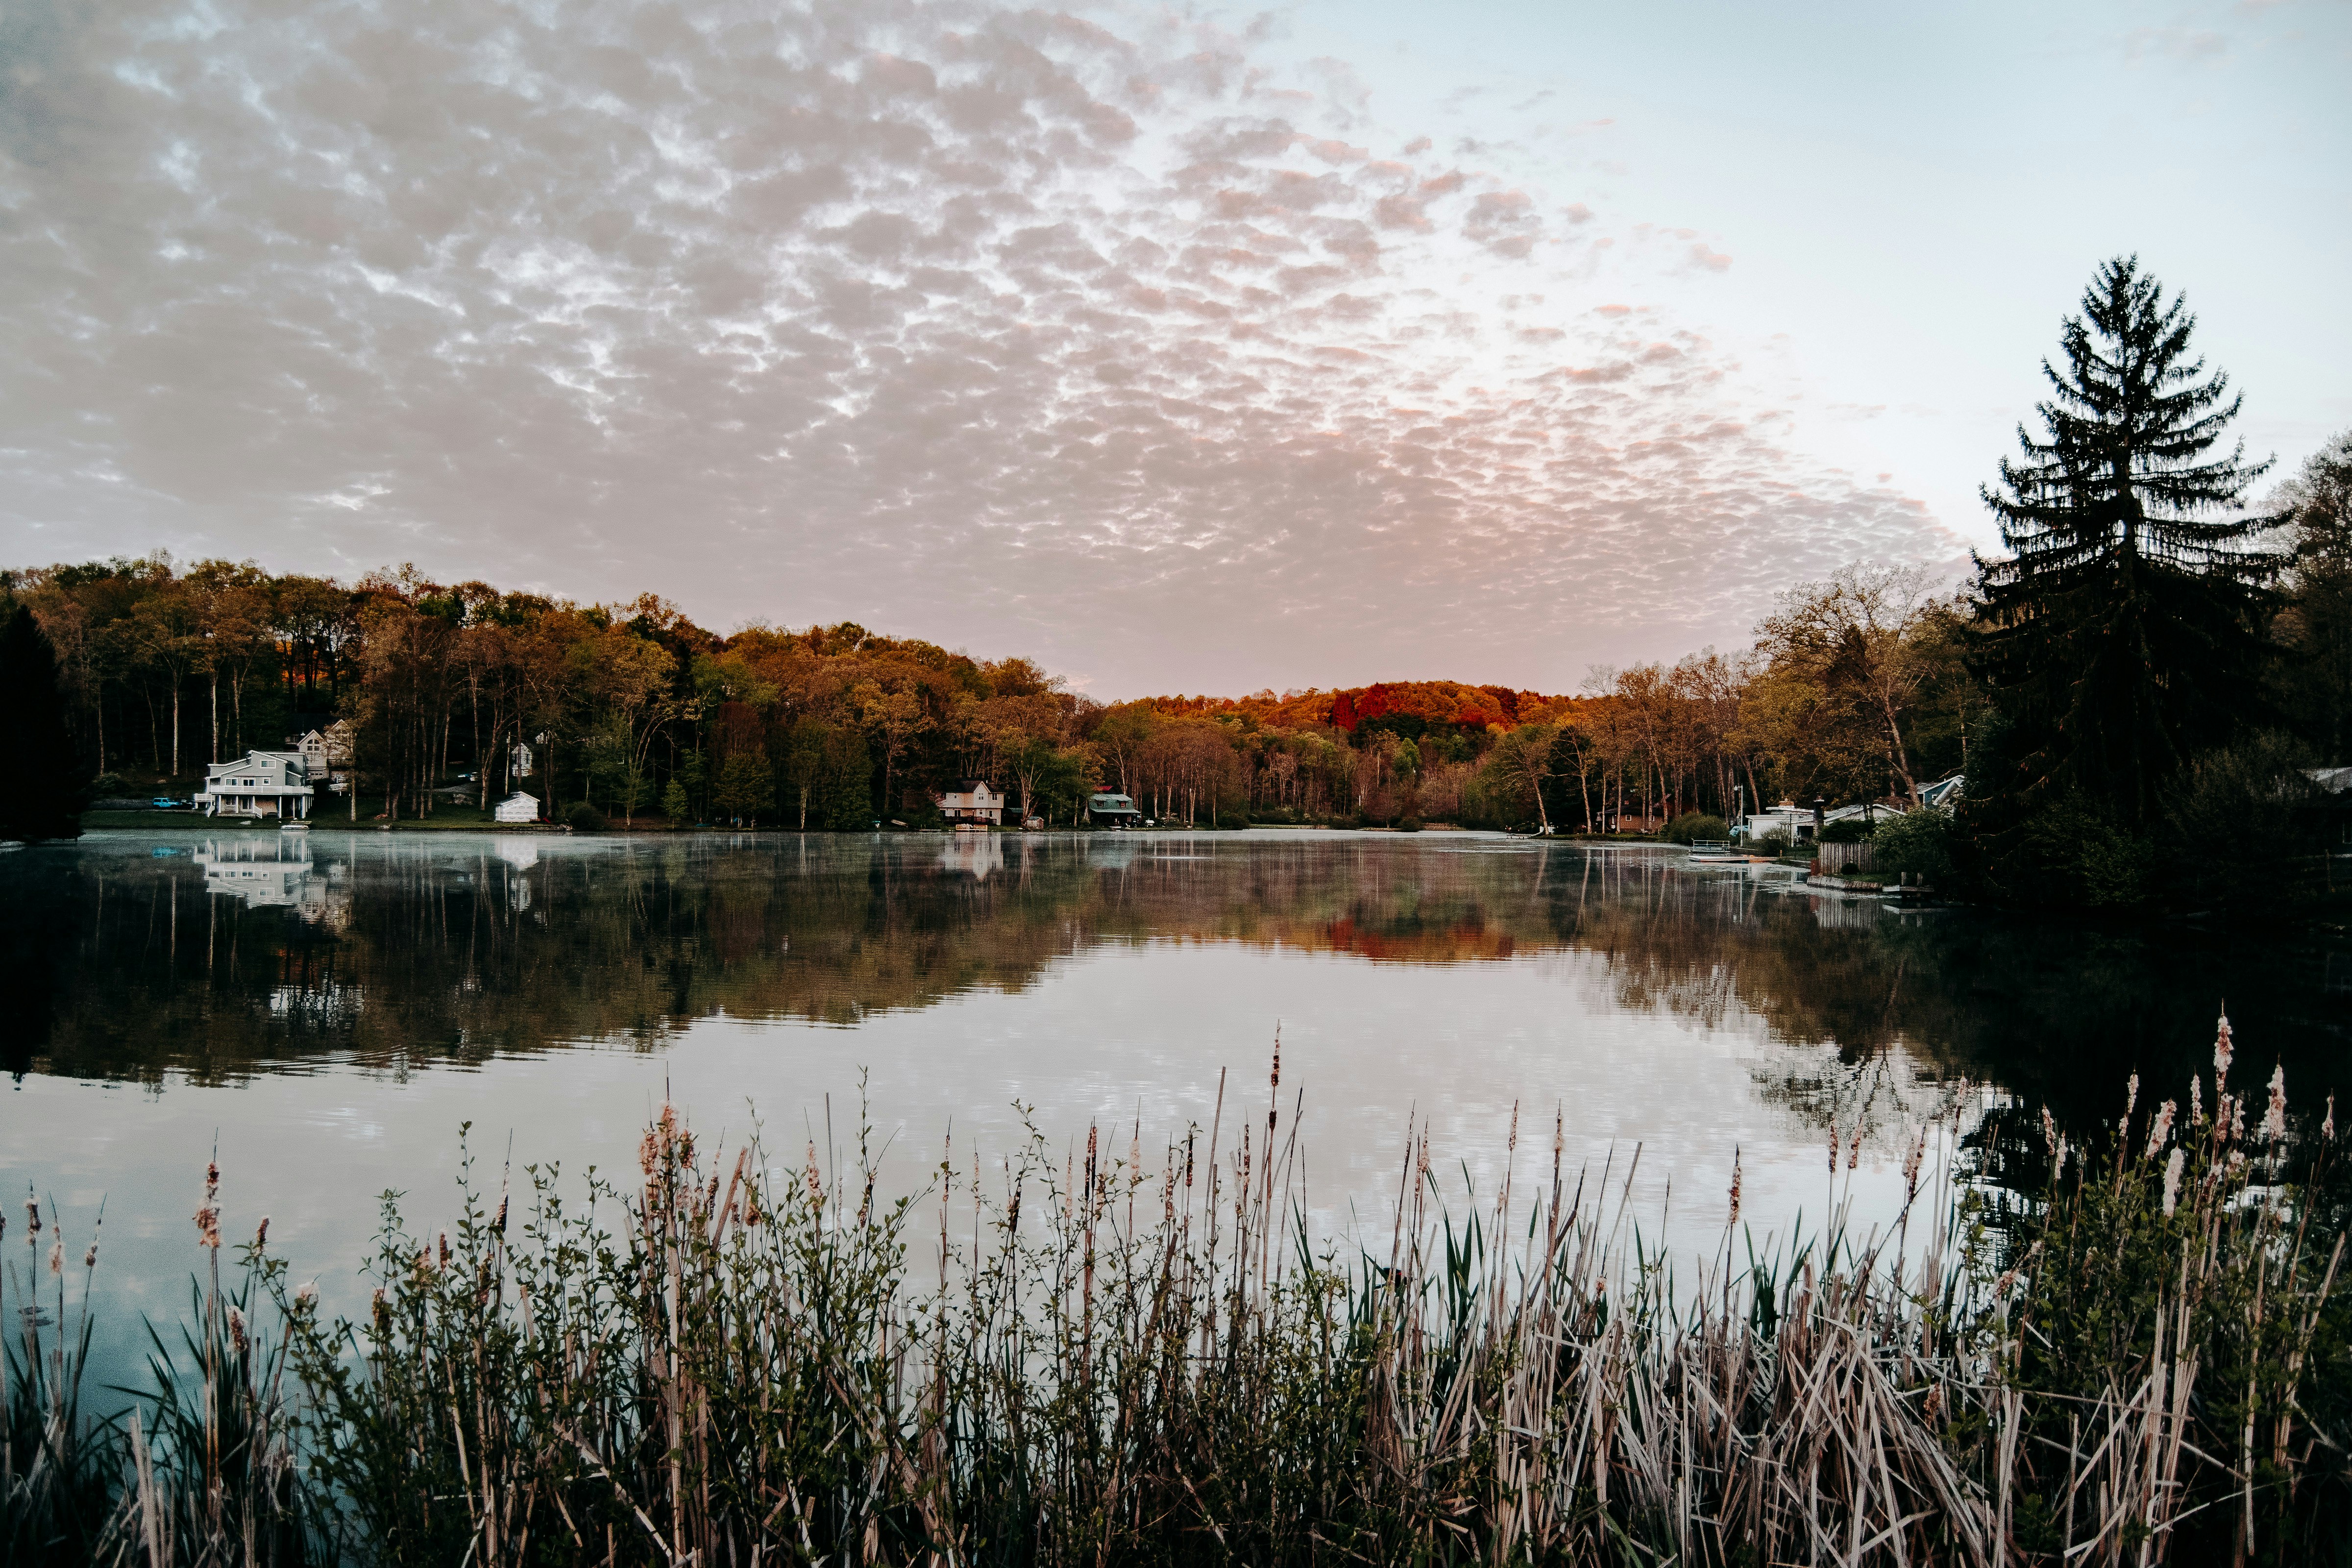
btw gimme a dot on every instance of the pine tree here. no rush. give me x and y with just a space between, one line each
43 784
2125 632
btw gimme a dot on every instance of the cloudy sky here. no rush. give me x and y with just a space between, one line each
1185 349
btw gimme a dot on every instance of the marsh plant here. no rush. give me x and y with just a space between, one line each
1120 1356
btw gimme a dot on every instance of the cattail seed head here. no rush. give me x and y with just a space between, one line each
2131 1094
2195 1100
2221 1053
2049 1131
1854 1150
261 1234
90 1258
236 1330
2159 1128
2172 1166
1734 1184
2328 1125
57 1256
2058 1166
2274 1119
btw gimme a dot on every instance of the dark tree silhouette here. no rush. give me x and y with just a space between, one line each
2126 630
44 784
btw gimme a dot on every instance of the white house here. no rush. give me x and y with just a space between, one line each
1795 823
261 784
970 800
517 808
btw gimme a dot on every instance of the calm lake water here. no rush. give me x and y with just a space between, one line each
327 1010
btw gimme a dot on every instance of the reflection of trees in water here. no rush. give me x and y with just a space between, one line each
460 948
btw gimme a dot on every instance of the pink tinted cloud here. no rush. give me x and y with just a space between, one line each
1076 335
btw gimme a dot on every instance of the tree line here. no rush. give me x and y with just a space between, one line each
2152 663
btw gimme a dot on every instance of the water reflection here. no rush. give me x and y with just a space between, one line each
258 953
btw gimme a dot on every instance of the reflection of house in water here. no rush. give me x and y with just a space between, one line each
1110 854
976 854
523 855
274 870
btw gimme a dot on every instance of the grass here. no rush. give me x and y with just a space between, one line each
748 1357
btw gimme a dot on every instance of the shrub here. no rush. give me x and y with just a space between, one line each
1773 843
1694 824
584 819
1847 830
1918 842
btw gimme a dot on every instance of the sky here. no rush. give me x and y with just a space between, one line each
1198 350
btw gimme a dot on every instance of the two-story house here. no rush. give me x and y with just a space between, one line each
970 801
259 783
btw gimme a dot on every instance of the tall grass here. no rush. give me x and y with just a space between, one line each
744 1356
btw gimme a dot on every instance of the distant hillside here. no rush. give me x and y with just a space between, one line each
1451 702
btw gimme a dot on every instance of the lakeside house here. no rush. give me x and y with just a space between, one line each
326 754
1797 822
970 800
1108 809
518 807
260 784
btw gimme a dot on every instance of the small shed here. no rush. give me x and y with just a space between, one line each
517 808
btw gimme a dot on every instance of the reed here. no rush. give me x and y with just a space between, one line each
744 1356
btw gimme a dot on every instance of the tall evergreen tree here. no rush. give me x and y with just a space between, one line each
2125 631
44 784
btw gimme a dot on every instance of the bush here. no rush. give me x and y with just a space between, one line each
1773 843
1408 825
584 819
1846 830
1918 844
1694 824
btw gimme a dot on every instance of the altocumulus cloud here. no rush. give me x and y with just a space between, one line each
1089 334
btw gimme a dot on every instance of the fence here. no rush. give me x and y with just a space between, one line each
1833 858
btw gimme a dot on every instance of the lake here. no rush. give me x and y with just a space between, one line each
327 1009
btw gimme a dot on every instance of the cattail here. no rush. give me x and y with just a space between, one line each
1511 1145
445 1251
2131 1094
2221 1054
57 1256
2049 1131
261 1234
32 1219
90 1258
1422 1165
2058 1160
2173 1164
1735 1183
1833 1145
2327 1126
2195 1100
1854 1150
2274 1120
236 1330
2159 1128
1933 1405
208 1227
815 1177
500 1225
1911 1163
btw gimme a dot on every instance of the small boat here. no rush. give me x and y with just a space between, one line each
297 826
1715 852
